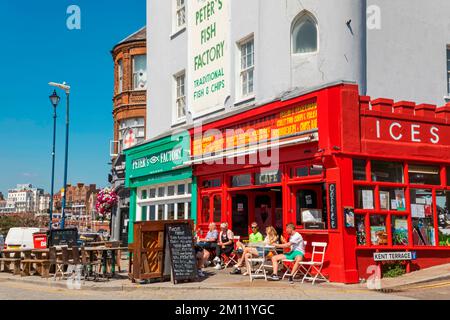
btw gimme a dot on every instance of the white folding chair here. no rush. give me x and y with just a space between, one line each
234 255
301 270
316 263
259 272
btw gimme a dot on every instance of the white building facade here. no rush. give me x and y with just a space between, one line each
212 58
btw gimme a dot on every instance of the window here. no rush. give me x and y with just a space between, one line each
419 174
180 211
131 132
161 191
180 13
448 176
120 75
359 170
171 211
152 213
170 191
180 96
443 215
305 34
241 180
217 214
205 209
139 72
392 199
360 223
378 232
364 198
181 189
301 172
422 217
211 183
247 54
383 171
152 193
399 226
144 213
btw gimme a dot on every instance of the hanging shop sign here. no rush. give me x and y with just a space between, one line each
333 208
394 256
270 177
209 55
291 122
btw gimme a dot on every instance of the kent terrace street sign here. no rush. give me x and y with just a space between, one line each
394 256
209 55
171 156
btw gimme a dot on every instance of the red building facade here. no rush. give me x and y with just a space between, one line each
362 175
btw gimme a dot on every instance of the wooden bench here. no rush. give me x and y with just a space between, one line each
5 265
43 267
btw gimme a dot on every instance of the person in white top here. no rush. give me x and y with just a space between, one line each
297 246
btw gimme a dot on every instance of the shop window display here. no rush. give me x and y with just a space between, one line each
422 217
392 199
359 170
364 198
384 171
421 174
378 231
399 226
360 223
443 215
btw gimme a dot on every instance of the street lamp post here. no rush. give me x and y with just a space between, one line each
66 88
54 99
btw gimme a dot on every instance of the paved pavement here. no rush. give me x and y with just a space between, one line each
433 283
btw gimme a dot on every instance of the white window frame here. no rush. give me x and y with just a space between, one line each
164 201
179 98
179 11
135 72
297 20
242 71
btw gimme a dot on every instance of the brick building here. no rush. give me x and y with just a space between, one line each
129 114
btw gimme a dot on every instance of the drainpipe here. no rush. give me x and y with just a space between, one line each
364 48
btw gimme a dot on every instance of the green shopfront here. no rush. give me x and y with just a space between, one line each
161 185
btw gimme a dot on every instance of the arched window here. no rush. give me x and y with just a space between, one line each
305 36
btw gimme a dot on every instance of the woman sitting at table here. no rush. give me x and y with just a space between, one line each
209 243
250 252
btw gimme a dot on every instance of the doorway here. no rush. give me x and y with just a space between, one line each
264 206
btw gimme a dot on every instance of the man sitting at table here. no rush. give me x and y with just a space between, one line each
254 237
297 246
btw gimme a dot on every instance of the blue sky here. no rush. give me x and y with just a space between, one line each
36 48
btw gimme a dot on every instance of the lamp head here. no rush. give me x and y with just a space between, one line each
54 99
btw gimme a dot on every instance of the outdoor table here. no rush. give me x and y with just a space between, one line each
264 247
103 252
11 256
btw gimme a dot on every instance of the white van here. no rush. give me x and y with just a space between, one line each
20 238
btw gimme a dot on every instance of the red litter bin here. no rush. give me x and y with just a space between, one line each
40 240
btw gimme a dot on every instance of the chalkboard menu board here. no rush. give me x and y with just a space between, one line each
333 207
63 237
182 254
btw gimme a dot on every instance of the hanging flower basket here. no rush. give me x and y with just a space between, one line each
106 200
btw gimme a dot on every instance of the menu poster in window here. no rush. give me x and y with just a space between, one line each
240 207
417 211
349 214
400 202
311 215
384 200
367 198
182 254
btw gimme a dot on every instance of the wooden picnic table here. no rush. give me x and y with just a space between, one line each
12 256
101 253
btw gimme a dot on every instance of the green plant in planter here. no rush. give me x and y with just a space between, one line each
393 270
